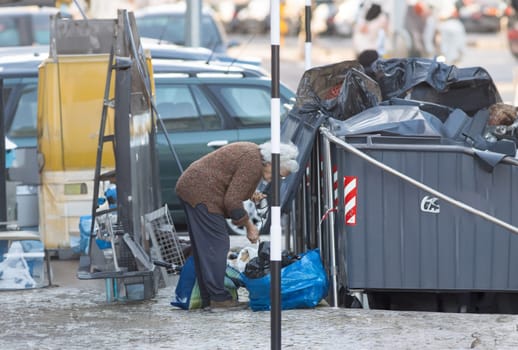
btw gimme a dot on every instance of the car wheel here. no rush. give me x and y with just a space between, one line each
258 215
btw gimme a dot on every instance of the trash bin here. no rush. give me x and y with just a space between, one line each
428 121
27 205
405 238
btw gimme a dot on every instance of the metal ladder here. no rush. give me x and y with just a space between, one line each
121 260
111 284
110 175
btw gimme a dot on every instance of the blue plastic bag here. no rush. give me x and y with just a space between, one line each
304 284
187 293
184 289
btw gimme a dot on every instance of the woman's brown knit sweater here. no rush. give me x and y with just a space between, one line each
223 179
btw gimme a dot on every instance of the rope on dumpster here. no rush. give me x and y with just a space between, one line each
326 214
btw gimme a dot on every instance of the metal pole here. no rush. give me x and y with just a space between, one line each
319 193
331 219
304 209
275 231
193 23
307 43
3 171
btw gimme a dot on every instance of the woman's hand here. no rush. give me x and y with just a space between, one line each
252 233
257 197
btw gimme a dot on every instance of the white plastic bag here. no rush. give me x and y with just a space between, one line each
14 271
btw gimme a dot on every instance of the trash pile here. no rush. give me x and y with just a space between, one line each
405 97
255 262
420 88
304 282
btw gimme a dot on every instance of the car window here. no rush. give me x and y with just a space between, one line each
9 34
41 27
249 106
210 119
24 122
171 28
20 99
184 108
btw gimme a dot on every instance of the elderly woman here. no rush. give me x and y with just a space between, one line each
212 189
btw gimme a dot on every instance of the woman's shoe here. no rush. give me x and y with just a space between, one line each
227 305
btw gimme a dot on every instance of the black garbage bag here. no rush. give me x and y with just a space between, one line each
257 268
260 265
357 93
264 250
470 89
340 90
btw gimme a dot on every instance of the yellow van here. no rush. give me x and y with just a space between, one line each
70 93
71 97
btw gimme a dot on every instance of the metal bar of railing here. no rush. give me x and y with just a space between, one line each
331 220
319 193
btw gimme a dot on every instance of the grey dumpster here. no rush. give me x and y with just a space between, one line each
406 239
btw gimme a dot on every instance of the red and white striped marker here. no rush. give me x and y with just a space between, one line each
350 194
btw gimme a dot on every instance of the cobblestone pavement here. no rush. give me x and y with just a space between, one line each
73 318
74 314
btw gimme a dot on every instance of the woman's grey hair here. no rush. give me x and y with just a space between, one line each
288 155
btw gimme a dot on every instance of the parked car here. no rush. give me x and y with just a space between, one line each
162 50
203 106
19 90
26 25
19 77
167 23
482 15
